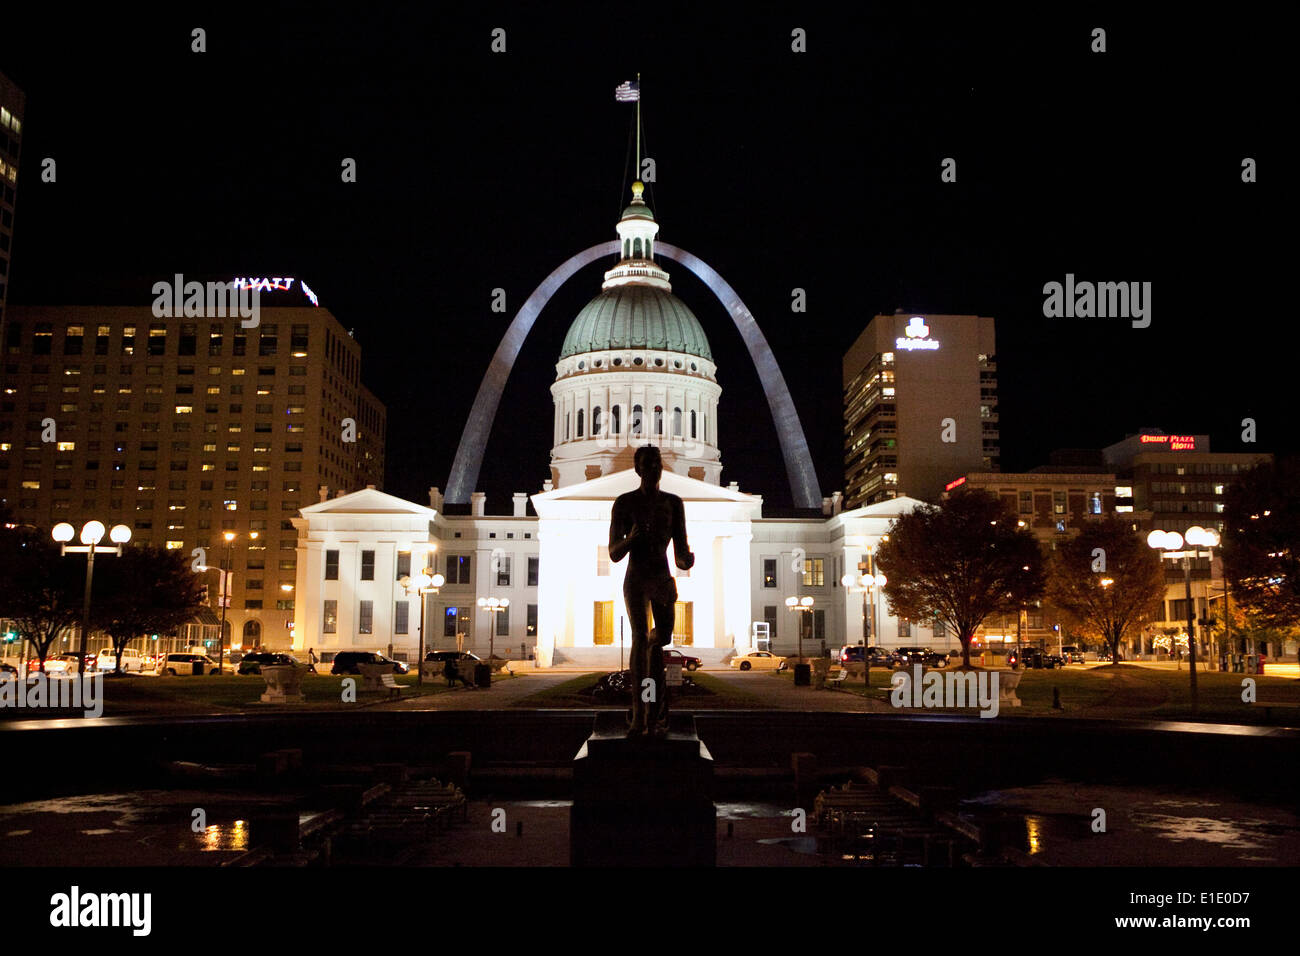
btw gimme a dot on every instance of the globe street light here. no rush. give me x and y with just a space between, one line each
868 584
494 606
1171 543
92 532
800 606
424 583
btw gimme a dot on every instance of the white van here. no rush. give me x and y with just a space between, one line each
132 660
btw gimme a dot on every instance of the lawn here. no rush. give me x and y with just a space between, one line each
125 696
1129 690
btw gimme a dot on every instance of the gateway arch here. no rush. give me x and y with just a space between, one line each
473 440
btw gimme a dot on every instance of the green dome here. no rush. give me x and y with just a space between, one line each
637 317
638 211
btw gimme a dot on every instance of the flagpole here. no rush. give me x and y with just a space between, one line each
636 173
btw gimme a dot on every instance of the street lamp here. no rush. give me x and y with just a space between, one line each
867 583
226 574
800 606
92 532
1171 543
494 606
425 583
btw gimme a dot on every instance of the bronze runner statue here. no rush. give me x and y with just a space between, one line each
641 525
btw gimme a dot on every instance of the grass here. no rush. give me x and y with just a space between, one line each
181 695
1128 690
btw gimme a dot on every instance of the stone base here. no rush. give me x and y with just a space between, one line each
643 801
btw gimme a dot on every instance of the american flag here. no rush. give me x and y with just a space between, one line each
627 92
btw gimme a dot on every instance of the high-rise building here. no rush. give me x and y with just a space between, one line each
920 406
185 429
12 103
1171 483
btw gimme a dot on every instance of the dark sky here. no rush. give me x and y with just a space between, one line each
817 170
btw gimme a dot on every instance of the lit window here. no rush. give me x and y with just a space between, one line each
231 504
67 446
184 409
175 545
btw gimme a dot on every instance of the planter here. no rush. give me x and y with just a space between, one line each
372 677
283 684
1007 683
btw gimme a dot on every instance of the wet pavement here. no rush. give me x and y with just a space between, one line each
1053 822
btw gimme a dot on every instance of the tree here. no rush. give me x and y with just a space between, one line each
41 590
959 562
1261 542
144 591
1108 581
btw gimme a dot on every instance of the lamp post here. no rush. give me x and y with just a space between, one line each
867 583
1171 543
800 606
225 593
494 606
426 582
92 532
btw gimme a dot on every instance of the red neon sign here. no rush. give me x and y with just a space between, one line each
953 484
1175 442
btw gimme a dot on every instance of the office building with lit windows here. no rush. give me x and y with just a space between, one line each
187 428
12 106
920 406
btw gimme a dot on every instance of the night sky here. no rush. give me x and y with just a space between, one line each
817 170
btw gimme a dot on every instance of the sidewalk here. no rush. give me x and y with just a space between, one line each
502 694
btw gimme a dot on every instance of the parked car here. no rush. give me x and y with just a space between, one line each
1072 654
182 665
132 660
1034 658
441 657
879 657
61 664
345 662
758 661
253 663
907 656
688 663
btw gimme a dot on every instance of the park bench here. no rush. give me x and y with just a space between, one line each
836 678
390 684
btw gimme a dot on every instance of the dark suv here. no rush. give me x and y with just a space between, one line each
253 663
441 657
345 662
852 654
907 656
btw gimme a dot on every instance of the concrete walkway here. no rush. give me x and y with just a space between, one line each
502 694
779 693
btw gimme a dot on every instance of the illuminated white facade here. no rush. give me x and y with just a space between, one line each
635 369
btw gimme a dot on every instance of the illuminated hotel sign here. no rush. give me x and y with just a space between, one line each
274 284
918 336
1173 442
955 484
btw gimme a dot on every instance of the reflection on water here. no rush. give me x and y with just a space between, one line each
216 836
1055 821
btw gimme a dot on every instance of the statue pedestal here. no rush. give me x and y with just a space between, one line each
643 801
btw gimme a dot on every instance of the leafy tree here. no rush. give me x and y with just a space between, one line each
40 589
960 562
1261 542
146 590
1108 581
